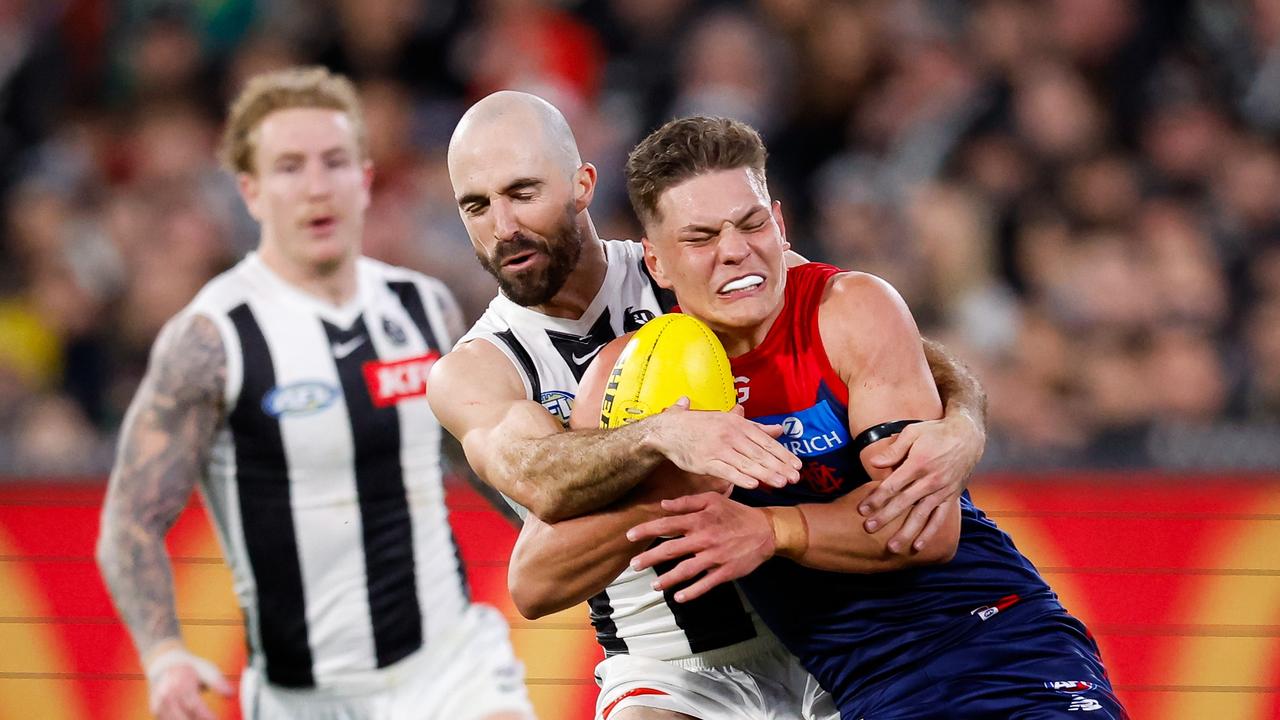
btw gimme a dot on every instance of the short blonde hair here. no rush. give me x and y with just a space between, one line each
300 87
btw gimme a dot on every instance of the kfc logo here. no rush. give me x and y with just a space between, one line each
392 381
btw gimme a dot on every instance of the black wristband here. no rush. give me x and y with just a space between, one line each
879 432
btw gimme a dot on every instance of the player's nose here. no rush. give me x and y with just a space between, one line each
505 225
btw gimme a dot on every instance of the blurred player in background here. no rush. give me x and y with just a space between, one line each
507 392
292 391
964 627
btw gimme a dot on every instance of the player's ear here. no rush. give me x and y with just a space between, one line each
249 187
584 186
366 182
655 267
782 225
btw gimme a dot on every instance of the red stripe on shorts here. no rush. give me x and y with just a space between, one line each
1007 602
630 693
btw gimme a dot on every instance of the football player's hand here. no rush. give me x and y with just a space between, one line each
933 462
720 540
724 445
175 678
669 481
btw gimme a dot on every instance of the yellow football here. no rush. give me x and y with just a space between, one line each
669 357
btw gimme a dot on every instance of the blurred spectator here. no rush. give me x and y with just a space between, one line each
730 66
1081 196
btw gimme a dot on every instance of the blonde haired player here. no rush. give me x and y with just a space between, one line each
507 392
291 391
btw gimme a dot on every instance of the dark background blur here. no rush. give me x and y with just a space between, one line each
1080 197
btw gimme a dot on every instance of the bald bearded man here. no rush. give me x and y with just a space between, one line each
507 390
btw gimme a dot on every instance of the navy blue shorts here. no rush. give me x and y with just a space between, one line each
1022 663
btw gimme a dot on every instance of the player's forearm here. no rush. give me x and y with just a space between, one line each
829 536
557 566
961 393
165 438
136 567
568 474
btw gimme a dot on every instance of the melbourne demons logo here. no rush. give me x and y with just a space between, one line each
392 381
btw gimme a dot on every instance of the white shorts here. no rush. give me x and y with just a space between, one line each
764 684
467 674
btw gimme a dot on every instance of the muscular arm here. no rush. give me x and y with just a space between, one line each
517 446
888 380
520 448
558 565
826 539
961 393
931 461
165 440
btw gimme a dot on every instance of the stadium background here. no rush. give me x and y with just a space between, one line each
1081 197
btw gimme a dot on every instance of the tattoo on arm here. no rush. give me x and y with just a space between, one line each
164 443
957 385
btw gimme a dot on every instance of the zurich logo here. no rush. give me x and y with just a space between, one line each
792 427
816 430
300 398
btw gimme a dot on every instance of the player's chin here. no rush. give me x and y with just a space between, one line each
329 251
739 313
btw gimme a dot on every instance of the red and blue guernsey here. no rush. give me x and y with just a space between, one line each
982 636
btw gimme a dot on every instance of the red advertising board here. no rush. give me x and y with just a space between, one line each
1178 577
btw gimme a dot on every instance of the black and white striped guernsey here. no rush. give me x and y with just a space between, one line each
551 355
325 479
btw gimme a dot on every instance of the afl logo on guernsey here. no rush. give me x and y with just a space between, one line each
558 403
299 398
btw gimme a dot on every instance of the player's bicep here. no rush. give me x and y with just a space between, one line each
170 426
879 352
478 396
586 405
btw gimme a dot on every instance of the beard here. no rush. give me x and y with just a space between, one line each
537 285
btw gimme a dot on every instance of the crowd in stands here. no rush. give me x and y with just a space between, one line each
1080 197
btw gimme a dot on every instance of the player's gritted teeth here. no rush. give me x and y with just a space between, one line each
741 285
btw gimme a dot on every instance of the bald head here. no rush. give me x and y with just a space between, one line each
522 192
507 119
